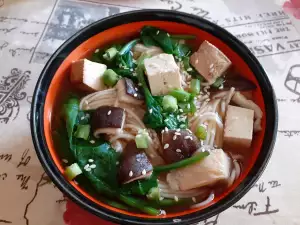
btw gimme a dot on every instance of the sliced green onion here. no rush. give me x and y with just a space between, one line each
141 141
154 194
219 81
110 53
183 36
180 95
188 107
139 204
110 78
195 86
72 171
201 132
83 131
128 46
186 162
169 103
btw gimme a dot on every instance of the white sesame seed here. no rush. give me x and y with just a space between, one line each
191 137
131 70
97 50
166 120
166 146
151 155
162 131
189 69
150 110
174 137
176 198
168 34
176 220
93 166
117 163
178 130
109 112
194 199
211 66
180 110
91 160
177 133
131 53
182 126
186 137
161 198
65 160
136 89
92 141
82 118
144 172
88 169
178 150
166 129
196 61
139 84
130 174
189 106
157 32
135 94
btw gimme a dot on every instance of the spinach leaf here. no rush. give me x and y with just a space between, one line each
126 73
125 61
140 187
154 36
126 48
174 121
153 116
181 50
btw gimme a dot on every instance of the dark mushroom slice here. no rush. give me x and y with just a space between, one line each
238 82
178 145
134 164
107 120
129 92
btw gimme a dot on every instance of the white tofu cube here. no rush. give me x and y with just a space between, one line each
207 172
238 130
163 74
88 74
210 62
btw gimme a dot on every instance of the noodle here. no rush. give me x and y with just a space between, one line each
205 202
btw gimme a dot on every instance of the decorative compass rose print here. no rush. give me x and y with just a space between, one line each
11 93
292 81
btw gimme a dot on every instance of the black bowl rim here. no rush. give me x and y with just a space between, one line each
37 116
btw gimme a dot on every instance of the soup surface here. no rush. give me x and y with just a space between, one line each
157 123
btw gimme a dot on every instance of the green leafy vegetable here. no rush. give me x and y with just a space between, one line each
185 162
153 36
126 73
126 48
140 187
181 95
183 36
83 131
218 82
169 103
181 50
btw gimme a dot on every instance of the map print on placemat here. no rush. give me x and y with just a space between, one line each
67 19
11 93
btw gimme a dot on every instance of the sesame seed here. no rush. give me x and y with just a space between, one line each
162 131
166 120
130 174
174 137
189 69
135 94
166 129
131 70
168 34
166 146
88 169
136 89
82 118
182 126
97 50
150 110
139 84
117 163
194 199
176 220
144 172
93 166
178 130
91 160
86 166
180 110
176 198
186 137
92 141
131 53
177 133
196 61
191 137
157 32
151 155
178 150
211 66
161 198
189 106
65 160
109 112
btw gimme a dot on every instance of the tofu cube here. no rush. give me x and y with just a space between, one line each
238 127
88 74
163 74
210 62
